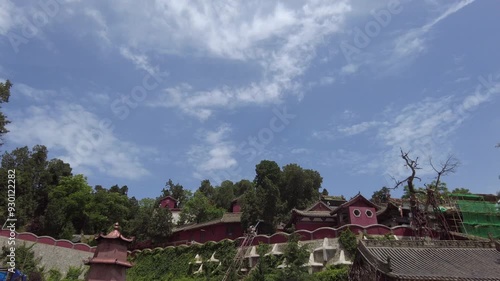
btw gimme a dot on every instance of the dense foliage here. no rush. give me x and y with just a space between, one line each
178 263
348 241
275 192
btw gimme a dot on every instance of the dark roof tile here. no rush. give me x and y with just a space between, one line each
435 260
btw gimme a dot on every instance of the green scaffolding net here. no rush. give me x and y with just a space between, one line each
479 217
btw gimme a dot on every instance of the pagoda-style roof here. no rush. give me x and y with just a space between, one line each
169 197
320 206
387 209
430 260
114 234
226 218
355 200
237 199
333 201
317 210
97 260
315 214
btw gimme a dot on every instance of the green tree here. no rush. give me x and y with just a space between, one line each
269 196
334 273
199 209
420 193
300 187
139 224
348 241
251 208
267 169
382 196
177 191
224 194
295 257
4 97
266 266
160 225
242 186
69 203
107 207
207 189
35 177
461 190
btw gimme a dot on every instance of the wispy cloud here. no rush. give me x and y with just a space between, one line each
280 37
413 42
33 94
139 60
358 128
407 44
78 137
98 18
8 14
214 154
423 128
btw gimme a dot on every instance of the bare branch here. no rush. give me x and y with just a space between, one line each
449 166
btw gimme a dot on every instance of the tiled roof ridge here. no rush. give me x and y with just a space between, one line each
313 213
316 203
207 223
351 201
428 244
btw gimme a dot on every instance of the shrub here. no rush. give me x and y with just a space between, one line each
347 239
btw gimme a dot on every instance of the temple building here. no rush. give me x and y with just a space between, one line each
386 260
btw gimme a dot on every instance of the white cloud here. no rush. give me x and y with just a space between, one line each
413 42
407 44
214 154
349 68
7 16
33 94
358 128
98 98
324 135
79 137
424 128
300 151
280 37
98 18
140 61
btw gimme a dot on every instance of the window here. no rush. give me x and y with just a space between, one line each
357 213
369 213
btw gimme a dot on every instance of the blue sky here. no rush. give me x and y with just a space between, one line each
136 93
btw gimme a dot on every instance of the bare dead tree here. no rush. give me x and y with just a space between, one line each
412 164
445 168
419 218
